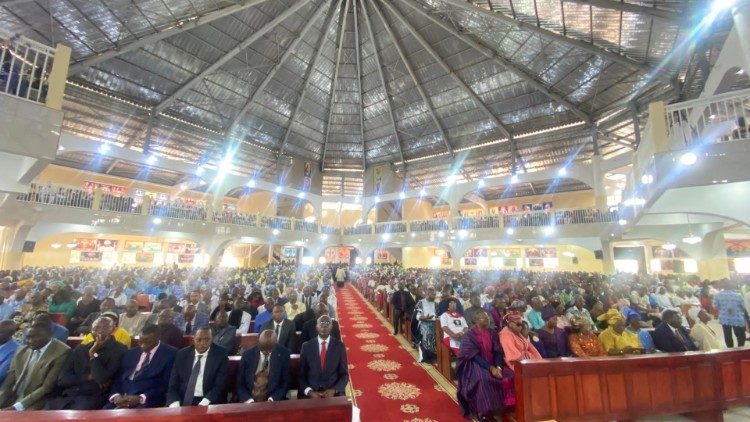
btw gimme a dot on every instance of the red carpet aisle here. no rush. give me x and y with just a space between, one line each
388 383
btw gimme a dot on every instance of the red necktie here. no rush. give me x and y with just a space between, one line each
323 350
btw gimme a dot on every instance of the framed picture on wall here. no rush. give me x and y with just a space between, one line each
91 256
133 246
106 245
144 258
186 259
152 247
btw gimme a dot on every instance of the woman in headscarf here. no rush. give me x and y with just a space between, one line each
485 384
634 325
704 336
554 339
515 344
583 342
617 340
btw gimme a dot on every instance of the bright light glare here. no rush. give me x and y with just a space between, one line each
549 230
376 199
277 189
152 159
622 222
422 192
669 246
156 221
692 240
688 158
358 261
441 234
480 183
324 236
647 179
514 178
386 237
301 195
275 232
308 260
562 172
199 170
463 234
402 195
104 148
251 183
510 231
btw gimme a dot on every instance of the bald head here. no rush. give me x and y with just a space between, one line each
267 341
131 308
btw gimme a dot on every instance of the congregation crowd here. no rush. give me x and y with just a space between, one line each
159 312
183 325
491 319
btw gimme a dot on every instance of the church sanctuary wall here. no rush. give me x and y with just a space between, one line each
291 173
258 202
417 257
347 218
563 200
44 255
416 209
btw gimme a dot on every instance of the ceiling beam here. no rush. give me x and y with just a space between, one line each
359 86
6 3
382 81
230 55
178 27
473 95
272 73
306 79
339 49
670 16
401 54
601 52
492 54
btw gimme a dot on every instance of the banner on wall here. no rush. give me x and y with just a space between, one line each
151 247
133 246
470 261
186 259
91 256
307 179
177 248
106 245
536 262
382 255
288 252
737 248
344 255
476 252
508 209
661 253
507 252
377 178
128 258
85 244
541 252
106 189
191 248
144 258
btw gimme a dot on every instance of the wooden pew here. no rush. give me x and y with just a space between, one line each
444 357
700 385
321 410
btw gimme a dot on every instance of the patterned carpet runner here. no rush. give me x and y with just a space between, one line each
388 383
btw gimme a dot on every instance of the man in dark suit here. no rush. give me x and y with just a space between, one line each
323 371
264 371
144 373
34 370
310 330
199 374
90 370
403 307
670 336
168 332
282 327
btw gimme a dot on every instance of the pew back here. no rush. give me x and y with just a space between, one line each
630 387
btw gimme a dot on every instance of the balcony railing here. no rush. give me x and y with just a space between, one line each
25 66
178 209
719 118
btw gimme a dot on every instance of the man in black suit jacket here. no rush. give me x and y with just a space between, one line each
90 371
310 330
323 371
284 329
144 373
670 336
274 386
403 307
200 373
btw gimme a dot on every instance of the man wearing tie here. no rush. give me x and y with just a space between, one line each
403 307
323 369
282 327
144 373
199 375
670 336
34 370
309 329
264 371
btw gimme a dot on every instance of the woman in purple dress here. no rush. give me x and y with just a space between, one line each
553 338
485 384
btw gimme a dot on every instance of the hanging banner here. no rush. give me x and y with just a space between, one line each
144 258
307 179
177 248
106 189
133 246
106 245
377 178
152 247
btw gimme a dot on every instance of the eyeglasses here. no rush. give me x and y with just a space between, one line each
325 323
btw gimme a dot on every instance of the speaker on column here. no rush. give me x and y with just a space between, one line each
28 246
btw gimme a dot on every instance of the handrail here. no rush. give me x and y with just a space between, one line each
25 67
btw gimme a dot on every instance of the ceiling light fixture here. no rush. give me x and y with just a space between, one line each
402 195
55 246
669 246
691 239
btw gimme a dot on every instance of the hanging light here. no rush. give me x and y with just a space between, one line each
691 239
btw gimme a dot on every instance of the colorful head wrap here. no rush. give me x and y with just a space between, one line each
512 317
611 316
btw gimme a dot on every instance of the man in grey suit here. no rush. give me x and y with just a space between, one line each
283 328
34 371
223 333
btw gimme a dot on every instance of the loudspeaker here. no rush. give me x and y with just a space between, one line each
28 246
575 260
599 254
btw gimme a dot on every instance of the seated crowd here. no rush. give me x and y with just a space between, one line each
183 334
491 319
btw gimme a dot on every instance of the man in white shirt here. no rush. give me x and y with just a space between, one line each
131 320
200 372
293 307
